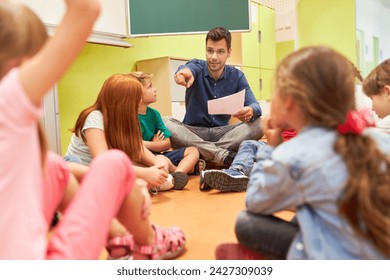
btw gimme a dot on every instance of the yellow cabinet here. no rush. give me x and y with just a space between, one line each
260 81
252 75
266 84
250 41
259 51
267 42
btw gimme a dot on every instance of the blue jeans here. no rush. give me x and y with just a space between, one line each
246 156
70 158
267 235
213 143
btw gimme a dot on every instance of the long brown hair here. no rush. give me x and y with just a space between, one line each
118 101
321 81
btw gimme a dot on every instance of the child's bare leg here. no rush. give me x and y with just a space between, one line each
78 170
190 158
146 241
132 215
168 163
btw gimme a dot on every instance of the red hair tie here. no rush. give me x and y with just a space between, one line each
356 122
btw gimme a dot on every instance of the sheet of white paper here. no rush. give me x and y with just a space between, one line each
228 105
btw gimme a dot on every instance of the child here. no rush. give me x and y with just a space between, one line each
335 172
377 86
112 123
156 136
205 80
32 181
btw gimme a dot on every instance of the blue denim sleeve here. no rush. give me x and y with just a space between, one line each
270 186
195 65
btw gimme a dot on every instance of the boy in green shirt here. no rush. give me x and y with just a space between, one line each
156 135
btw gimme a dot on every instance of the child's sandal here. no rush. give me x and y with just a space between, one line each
199 166
125 242
169 243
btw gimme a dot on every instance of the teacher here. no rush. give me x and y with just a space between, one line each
209 79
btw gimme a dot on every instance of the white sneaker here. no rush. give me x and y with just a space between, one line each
167 185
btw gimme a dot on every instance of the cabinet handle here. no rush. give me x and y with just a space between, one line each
259 36
261 84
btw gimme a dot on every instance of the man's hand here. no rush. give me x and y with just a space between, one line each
245 114
184 77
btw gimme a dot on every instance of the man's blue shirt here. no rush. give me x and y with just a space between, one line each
206 88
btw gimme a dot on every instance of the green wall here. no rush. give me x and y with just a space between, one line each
329 22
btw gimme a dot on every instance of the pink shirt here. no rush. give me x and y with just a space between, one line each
28 201
23 229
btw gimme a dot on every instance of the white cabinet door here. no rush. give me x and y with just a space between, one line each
50 121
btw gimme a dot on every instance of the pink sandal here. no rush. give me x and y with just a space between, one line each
169 244
125 242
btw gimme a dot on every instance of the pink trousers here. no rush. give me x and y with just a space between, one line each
84 226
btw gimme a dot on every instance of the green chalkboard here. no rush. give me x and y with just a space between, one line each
164 17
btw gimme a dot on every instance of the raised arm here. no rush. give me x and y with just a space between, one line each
40 72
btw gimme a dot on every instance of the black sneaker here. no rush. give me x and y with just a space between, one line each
180 180
202 185
226 180
229 158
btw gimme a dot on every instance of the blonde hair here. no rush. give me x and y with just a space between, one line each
118 101
22 33
141 76
321 81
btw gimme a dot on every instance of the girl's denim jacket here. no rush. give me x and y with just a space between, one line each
306 173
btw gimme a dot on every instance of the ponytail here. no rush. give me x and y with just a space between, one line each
366 198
